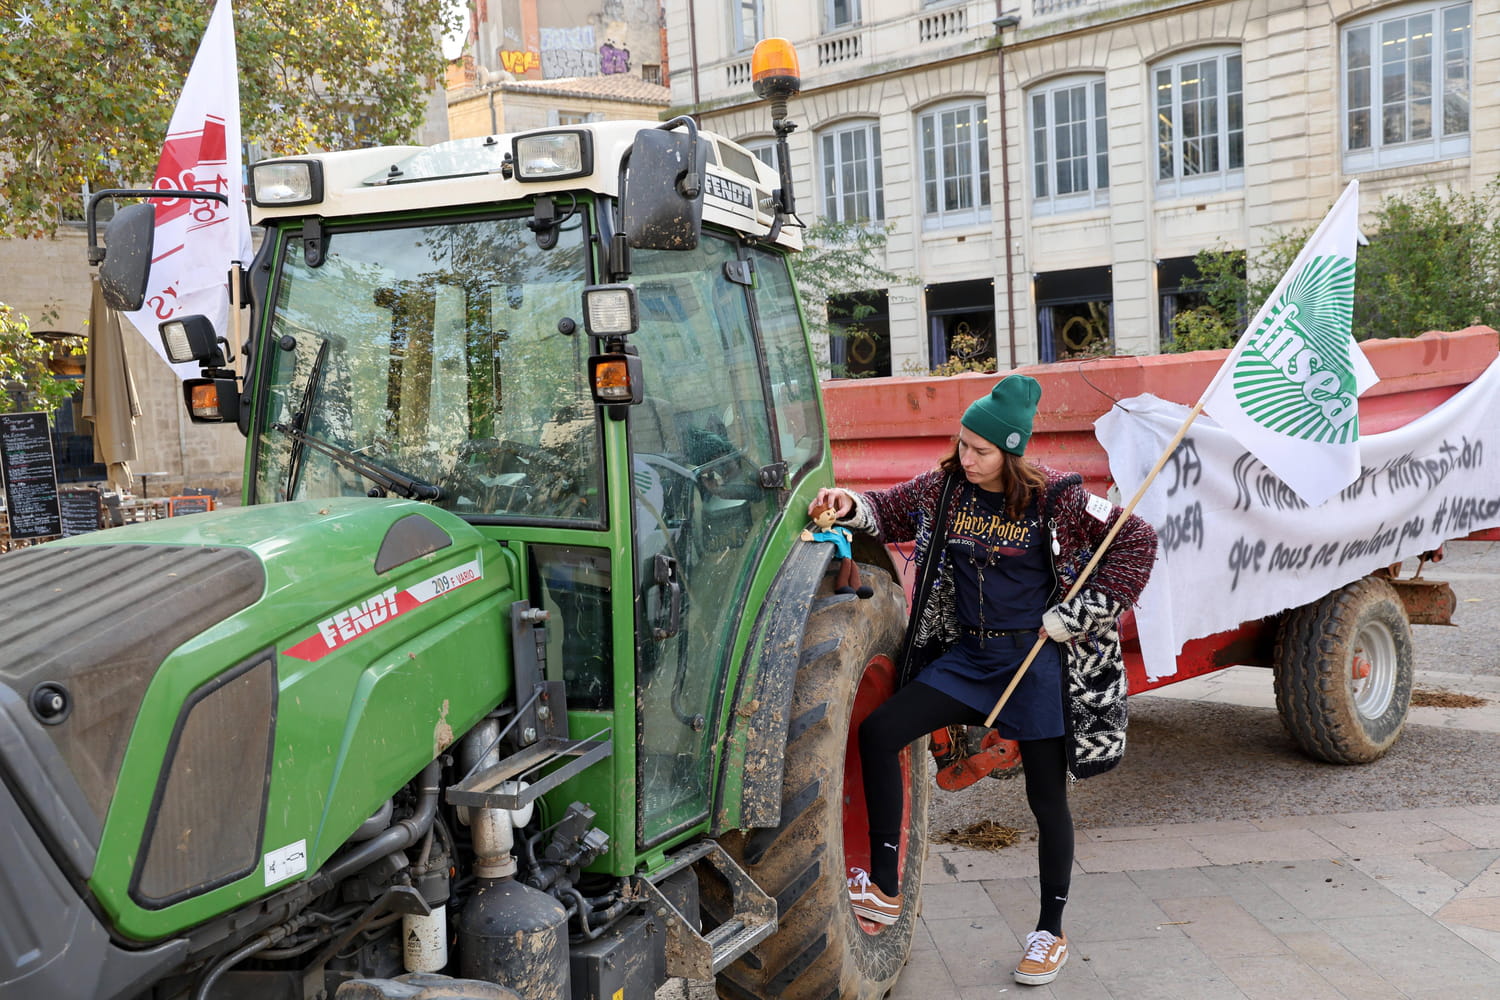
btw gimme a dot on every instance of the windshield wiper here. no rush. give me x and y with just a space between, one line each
388 480
300 418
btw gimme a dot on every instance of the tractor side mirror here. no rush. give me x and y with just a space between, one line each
662 204
129 239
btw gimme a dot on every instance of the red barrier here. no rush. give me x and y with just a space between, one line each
886 430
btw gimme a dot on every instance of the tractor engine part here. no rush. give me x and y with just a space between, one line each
510 933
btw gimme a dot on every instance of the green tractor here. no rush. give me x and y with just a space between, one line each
510 677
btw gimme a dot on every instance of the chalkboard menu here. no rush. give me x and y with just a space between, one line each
80 511
189 505
30 475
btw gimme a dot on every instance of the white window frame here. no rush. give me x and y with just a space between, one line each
1435 87
1220 142
957 193
846 178
763 150
747 21
1088 171
831 19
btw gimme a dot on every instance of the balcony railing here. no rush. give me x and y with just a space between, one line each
950 23
844 48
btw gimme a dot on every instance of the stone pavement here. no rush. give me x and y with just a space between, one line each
1361 906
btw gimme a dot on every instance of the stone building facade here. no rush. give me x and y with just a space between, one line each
1049 168
517 105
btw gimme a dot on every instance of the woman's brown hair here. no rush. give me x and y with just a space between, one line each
1020 480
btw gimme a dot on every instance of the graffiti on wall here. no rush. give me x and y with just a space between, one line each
519 61
613 59
569 52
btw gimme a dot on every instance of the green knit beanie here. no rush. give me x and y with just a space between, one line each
1004 417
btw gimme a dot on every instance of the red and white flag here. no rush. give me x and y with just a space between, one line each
196 241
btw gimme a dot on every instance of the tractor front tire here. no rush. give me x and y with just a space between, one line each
821 949
1343 672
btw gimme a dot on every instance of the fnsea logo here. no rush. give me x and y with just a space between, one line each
1294 376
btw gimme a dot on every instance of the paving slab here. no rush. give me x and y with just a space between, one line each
1202 911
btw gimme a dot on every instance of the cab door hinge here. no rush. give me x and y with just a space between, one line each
773 476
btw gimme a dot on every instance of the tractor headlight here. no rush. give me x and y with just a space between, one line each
550 156
610 310
275 183
191 338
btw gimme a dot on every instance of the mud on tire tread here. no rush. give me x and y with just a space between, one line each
1315 649
820 951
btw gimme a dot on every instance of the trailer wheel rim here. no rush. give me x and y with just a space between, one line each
876 684
1375 657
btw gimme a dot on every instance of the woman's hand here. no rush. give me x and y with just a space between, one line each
840 500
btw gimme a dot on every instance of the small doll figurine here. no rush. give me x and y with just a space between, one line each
847 581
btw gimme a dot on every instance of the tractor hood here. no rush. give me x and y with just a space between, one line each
160 682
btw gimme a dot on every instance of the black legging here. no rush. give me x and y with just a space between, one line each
916 710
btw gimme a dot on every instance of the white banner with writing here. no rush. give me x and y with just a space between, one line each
1238 544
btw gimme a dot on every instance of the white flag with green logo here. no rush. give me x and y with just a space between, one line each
1288 392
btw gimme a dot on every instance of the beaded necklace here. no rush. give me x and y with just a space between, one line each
992 551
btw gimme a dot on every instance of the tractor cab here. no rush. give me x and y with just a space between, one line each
583 341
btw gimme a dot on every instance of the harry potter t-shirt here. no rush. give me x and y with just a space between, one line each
1001 558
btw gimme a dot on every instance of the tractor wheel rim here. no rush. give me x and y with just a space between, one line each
877 682
1376 646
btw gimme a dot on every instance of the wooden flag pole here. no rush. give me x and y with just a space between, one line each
236 276
1109 537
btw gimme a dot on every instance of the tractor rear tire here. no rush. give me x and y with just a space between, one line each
1344 672
821 949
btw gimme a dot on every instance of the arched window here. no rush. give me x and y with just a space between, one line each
1407 78
955 143
849 158
1200 122
1069 145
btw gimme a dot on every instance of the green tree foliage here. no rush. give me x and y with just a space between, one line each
840 260
1218 320
26 380
90 87
1432 263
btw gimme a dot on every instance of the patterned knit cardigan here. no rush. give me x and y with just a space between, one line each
1096 709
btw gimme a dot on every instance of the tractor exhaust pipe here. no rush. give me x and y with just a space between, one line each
397 838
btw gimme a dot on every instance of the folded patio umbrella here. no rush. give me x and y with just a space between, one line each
110 403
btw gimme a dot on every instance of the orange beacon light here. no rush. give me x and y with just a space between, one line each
774 70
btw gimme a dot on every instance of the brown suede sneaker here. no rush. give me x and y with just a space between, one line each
869 902
1044 958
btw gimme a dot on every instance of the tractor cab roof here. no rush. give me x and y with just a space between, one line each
469 173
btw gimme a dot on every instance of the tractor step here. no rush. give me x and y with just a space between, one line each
694 955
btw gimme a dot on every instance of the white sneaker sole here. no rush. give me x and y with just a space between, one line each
1041 979
870 913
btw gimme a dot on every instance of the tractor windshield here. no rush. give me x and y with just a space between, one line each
433 352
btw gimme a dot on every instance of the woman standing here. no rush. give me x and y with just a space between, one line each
999 541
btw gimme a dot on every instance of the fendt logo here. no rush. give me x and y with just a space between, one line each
352 622
1295 376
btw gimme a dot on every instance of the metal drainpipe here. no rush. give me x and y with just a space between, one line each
495 125
1010 294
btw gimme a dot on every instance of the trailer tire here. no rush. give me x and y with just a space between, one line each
1343 672
821 949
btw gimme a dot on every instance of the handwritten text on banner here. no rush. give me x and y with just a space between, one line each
1237 544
